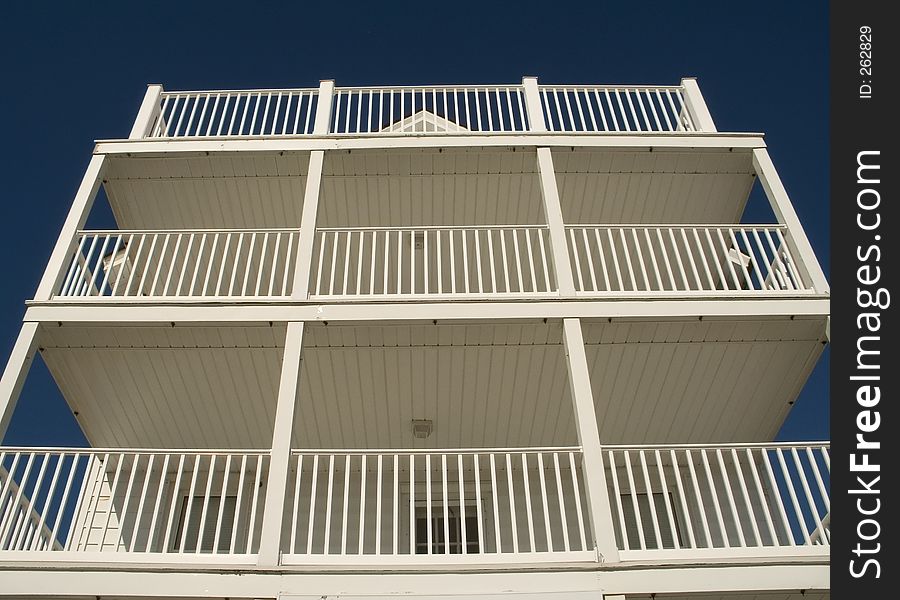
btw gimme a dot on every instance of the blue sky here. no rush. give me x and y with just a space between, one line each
75 72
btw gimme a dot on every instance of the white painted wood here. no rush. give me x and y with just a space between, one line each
308 220
78 214
148 113
533 104
589 438
288 390
784 211
324 107
696 106
16 371
553 214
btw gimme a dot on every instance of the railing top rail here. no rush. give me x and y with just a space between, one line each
607 86
678 225
431 227
170 93
164 231
72 450
435 87
772 445
435 450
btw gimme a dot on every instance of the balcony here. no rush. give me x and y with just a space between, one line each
464 263
373 508
430 110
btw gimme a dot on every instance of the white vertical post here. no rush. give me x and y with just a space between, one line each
589 439
15 373
280 462
553 212
147 114
78 214
533 104
796 239
323 108
308 218
696 106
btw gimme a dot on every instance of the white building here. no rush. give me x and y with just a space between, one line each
481 342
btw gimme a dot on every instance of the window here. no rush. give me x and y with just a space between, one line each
440 545
209 526
662 516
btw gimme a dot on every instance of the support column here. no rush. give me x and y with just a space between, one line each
280 461
308 217
553 212
533 106
78 214
147 114
15 373
323 107
589 440
796 239
696 106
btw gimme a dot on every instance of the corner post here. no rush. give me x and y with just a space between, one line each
15 373
148 113
280 460
553 213
78 214
696 106
589 439
533 104
784 211
308 217
323 107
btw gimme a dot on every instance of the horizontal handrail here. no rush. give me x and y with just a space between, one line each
688 498
665 259
88 500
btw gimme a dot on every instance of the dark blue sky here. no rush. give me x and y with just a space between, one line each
75 72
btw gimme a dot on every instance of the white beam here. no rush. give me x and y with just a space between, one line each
589 439
634 140
15 373
426 311
308 217
696 106
559 248
147 114
78 214
784 211
323 107
279 464
533 106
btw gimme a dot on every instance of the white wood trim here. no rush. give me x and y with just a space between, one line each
559 248
323 107
474 139
412 311
78 214
279 464
533 105
589 439
696 106
16 371
147 114
307 239
785 214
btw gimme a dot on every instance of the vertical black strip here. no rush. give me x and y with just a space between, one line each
865 223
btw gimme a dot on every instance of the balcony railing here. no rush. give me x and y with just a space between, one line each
703 259
758 499
376 507
418 110
432 261
473 262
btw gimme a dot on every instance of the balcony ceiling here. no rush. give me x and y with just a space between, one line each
482 385
487 186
